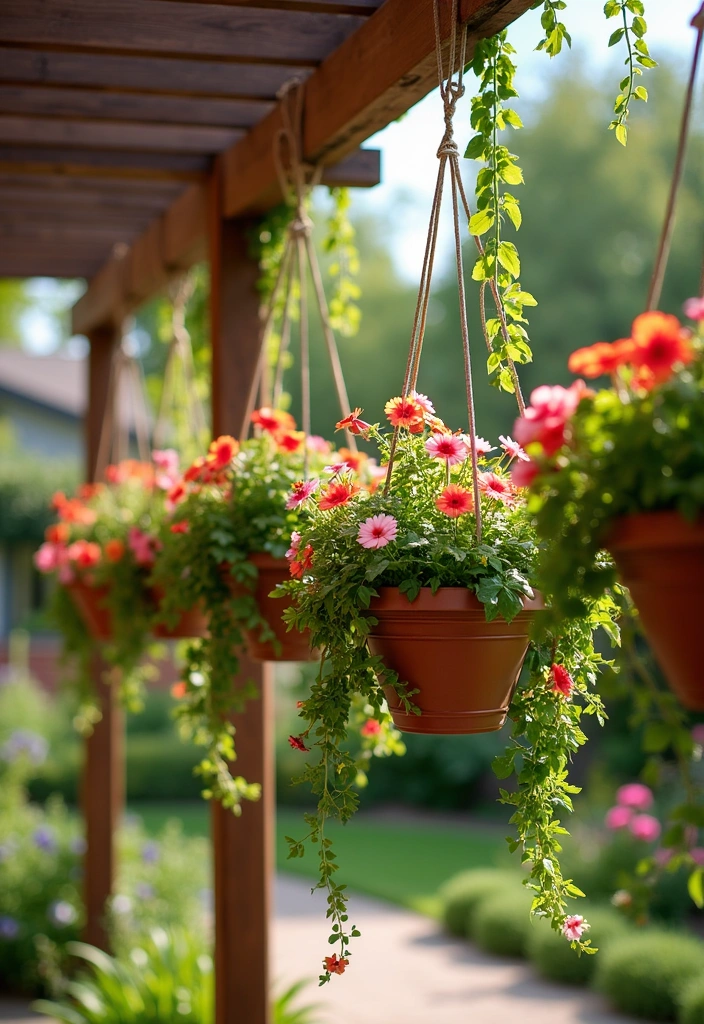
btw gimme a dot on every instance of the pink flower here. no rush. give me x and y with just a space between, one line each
574 927
523 473
513 448
300 492
494 487
635 795
663 857
561 680
697 855
166 463
66 574
483 447
377 531
549 410
645 827
336 468
317 444
142 546
618 817
448 447
698 734
295 544
694 309
424 402
371 727
50 557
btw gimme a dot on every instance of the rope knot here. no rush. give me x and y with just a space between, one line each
301 225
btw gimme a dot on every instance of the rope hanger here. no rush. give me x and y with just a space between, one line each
297 181
114 445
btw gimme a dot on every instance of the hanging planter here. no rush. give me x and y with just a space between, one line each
660 558
464 668
91 602
272 641
186 625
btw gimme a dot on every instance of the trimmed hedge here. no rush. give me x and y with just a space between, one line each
646 975
692 1002
553 957
462 895
502 923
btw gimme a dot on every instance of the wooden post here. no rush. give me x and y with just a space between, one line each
103 772
243 848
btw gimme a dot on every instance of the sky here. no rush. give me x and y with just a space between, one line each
409 163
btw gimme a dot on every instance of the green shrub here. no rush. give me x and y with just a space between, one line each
692 1002
502 923
553 957
462 895
646 974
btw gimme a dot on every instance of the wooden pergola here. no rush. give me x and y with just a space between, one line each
136 139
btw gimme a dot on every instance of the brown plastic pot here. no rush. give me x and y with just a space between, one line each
191 623
464 667
660 558
292 645
91 604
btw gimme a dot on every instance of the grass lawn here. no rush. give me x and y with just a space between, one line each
405 863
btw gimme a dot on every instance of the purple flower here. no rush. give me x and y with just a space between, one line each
144 891
150 852
9 928
44 839
62 913
24 743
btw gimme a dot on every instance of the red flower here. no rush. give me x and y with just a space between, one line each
455 501
405 412
496 487
334 964
85 553
58 533
303 561
545 418
289 440
273 420
222 451
74 511
177 494
371 727
178 690
561 681
601 358
660 343
182 527
197 470
355 460
114 550
297 743
299 704
353 423
523 473
88 491
336 494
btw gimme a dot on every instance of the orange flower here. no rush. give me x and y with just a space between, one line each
601 358
84 553
197 470
58 533
58 500
273 420
336 493
222 451
182 527
289 440
88 491
178 690
114 550
74 511
335 964
405 412
455 501
355 460
177 494
353 423
660 343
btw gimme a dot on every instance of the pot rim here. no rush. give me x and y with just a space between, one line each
444 599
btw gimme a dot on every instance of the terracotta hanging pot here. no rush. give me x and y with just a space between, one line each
660 558
191 623
91 604
464 667
294 646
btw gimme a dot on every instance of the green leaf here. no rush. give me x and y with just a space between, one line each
622 134
511 174
616 36
475 148
508 258
695 887
481 222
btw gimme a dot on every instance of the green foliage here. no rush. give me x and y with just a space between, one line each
637 58
26 487
553 958
462 896
555 31
339 244
691 1010
502 925
645 975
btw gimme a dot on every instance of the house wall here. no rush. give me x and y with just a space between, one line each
42 431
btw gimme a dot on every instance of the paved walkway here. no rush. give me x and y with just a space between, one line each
404 972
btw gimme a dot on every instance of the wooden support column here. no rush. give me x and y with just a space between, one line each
243 848
103 772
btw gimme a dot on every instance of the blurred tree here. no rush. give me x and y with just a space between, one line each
14 301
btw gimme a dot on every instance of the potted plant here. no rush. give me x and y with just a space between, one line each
623 472
416 618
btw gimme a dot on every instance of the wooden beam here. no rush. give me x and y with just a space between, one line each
57 160
75 203
183 238
35 264
372 78
124 136
73 189
314 6
103 302
38 101
18 210
175 29
92 233
155 75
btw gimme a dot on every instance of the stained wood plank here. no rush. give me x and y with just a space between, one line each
158 75
103 300
139 192
39 265
175 29
23 229
56 160
183 239
315 6
36 101
74 206
94 134
372 78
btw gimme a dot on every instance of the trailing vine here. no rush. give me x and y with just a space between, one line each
339 242
498 262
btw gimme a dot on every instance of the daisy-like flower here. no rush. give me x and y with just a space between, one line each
57 533
448 447
455 501
601 358
377 531
513 448
177 494
424 402
300 492
335 494
353 423
483 447
405 412
302 561
574 927
560 680
495 487
273 420
660 343
222 451
353 460
84 553
336 468
335 964
289 440
371 727
316 443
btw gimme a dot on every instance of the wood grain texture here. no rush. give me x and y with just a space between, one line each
183 235
314 6
39 101
156 75
124 137
107 189
103 302
67 162
37 264
175 29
